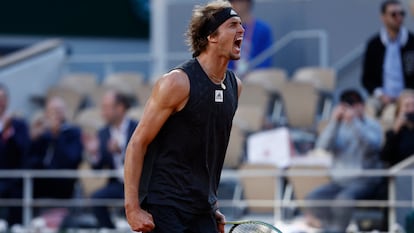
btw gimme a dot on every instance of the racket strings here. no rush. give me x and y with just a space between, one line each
252 228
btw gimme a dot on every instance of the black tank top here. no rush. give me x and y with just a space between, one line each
183 164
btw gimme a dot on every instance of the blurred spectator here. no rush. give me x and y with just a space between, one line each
412 7
108 150
388 65
14 144
399 140
354 140
257 38
56 144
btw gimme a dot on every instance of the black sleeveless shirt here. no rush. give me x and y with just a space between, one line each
183 164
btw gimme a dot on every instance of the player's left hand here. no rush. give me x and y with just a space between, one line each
221 221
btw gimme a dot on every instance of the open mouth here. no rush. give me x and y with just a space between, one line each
238 42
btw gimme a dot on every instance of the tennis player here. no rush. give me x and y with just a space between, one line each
175 156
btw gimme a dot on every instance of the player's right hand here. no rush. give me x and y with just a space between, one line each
140 220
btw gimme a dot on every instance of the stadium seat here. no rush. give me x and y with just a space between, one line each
254 94
125 82
142 93
300 104
250 118
271 79
321 78
96 95
136 112
324 80
84 83
255 98
89 120
235 149
259 188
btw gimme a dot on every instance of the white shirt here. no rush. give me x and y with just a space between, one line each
120 134
393 76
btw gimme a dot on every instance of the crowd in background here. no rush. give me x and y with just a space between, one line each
355 139
51 142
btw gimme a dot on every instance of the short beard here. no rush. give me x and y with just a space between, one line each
234 57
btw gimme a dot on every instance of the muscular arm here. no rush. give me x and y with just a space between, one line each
170 95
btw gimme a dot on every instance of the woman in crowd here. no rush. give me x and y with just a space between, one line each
399 139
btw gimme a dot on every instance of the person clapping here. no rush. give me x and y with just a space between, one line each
56 144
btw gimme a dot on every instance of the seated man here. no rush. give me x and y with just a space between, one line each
55 145
108 150
14 144
355 141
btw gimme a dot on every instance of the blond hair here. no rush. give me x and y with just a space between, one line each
407 93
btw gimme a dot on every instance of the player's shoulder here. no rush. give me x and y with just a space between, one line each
175 79
173 84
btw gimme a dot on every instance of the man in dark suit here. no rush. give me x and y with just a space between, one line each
14 144
108 150
56 144
388 66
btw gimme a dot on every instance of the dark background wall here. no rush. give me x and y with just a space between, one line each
85 18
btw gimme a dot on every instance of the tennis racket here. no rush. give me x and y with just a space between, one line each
250 226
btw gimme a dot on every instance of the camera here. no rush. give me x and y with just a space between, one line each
410 117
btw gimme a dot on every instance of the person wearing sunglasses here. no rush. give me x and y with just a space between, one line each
388 65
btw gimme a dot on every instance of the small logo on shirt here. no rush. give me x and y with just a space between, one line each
218 97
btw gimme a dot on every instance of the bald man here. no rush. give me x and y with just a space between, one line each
55 145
